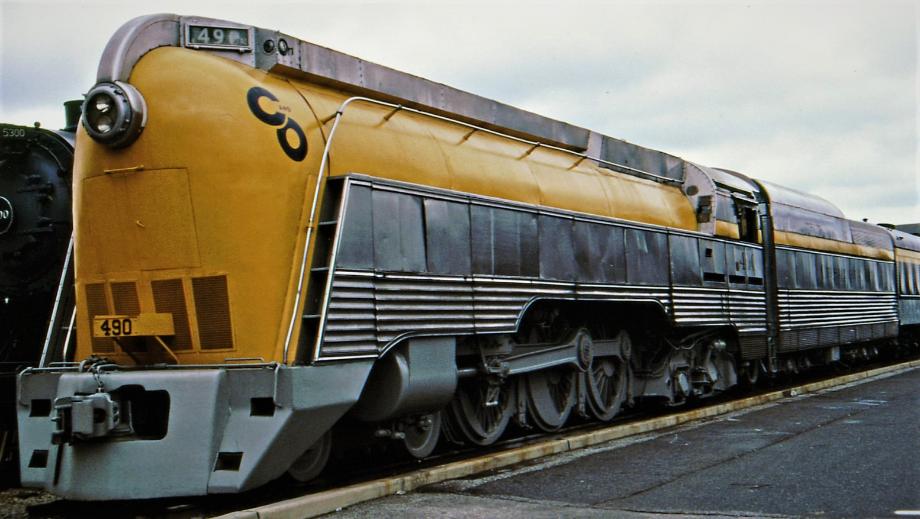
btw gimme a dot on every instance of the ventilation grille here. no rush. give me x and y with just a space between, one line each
753 346
829 335
169 298
213 309
97 305
808 339
124 297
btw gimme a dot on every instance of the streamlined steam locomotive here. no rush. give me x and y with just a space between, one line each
276 242
35 229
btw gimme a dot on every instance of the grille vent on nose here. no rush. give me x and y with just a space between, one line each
97 305
124 297
169 298
212 307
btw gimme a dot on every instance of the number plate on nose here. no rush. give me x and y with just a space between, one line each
218 37
143 325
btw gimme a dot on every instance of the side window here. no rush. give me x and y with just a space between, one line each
913 271
805 270
915 279
857 275
785 269
873 279
888 277
841 273
827 279
747 222
820 279
725 208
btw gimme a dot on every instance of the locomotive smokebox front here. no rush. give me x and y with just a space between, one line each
35 215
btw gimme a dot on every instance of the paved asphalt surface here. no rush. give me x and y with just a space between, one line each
852 452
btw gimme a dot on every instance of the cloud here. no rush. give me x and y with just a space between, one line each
821 96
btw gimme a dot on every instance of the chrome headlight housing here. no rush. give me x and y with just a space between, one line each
114 114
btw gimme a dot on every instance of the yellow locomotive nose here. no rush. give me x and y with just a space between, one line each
200 215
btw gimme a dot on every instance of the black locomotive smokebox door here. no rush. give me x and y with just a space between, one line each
35 209
6 215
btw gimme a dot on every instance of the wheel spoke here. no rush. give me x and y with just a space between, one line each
471 420
606 382
606 392
551 397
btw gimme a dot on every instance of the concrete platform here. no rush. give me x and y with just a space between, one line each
850 452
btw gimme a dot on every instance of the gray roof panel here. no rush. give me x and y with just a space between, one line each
794 198
907 241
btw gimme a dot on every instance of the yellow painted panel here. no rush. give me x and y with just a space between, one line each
105 237
142 219
907 256
727 229
576 190
646 201
826 245
490 166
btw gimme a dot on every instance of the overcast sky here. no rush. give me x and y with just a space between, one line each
820 96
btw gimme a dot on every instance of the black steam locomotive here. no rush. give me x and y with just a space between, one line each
35 230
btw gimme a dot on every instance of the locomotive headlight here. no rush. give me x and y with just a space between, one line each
114 114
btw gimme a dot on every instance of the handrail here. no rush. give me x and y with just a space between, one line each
52 323
68 338
111 367
306 246
397 108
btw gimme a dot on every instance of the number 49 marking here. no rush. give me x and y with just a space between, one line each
205 37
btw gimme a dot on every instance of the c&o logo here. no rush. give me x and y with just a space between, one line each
278 119
6 214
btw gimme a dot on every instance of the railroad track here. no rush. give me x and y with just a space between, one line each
354 482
